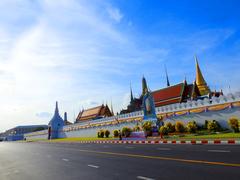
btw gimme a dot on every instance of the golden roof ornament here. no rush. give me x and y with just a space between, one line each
200 81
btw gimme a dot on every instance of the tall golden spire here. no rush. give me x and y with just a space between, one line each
200 81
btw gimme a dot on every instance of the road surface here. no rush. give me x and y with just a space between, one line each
66 161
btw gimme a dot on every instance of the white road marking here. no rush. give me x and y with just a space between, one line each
164 149
65 159
222 151
93 166
145 178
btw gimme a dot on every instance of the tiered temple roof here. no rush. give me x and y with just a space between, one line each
94 113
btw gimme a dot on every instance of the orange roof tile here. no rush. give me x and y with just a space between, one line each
168 95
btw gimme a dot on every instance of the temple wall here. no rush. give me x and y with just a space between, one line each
220 109
221 116
92 132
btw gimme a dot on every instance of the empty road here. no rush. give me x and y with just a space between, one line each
43 161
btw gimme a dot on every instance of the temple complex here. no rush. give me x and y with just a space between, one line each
94 113
177 93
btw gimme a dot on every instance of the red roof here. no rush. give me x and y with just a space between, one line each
93 113
169 95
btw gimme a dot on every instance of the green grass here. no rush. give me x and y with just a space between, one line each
208 136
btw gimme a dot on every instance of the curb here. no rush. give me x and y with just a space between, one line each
166 142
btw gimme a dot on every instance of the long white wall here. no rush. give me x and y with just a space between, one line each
222 116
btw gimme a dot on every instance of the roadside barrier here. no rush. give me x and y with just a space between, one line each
164 142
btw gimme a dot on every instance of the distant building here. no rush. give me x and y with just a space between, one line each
178 93
94 113
17 133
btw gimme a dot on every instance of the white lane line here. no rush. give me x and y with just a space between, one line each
164 149
93 166
222 151
65 159
145 178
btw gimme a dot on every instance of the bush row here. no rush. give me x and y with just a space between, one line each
178 127
102 133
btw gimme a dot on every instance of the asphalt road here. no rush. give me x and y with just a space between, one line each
43 161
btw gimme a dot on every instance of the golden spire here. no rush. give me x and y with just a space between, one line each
200 81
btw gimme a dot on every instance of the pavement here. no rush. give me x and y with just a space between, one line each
45 161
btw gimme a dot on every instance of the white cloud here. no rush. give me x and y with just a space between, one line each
115 14
68 51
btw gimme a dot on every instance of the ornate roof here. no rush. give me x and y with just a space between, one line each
168 95
94 113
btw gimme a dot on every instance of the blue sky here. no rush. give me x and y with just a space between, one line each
83 53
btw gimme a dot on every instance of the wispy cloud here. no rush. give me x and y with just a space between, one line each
115 14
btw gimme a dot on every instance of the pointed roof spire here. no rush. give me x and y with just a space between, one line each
131 93
168 83
144 86
185 80
112 108
200 81
56 108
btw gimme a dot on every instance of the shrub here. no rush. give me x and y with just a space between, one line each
205 126
233 122
137 128
170 127
179 126
213 126
126 131
163 130
147 126
115 133
100 134
192 127
107 133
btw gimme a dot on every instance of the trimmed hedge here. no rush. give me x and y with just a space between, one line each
233 122
107 133
116 133
126 131
163 130
179 126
